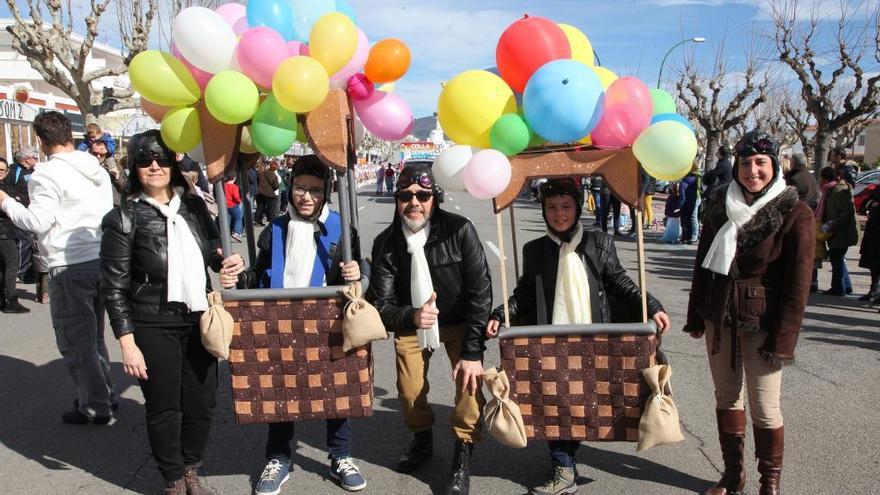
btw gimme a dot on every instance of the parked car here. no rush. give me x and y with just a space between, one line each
865 185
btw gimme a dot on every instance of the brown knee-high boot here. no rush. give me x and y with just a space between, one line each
732 436
769 447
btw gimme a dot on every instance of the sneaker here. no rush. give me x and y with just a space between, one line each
75 417
275 474
561 480
343 470
113 407
236 237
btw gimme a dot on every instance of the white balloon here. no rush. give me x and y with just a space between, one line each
449 167
204 39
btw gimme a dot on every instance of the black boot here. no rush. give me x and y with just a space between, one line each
873 292
11 305
460 477
420 450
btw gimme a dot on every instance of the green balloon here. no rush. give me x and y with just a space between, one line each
510 134
534 138
273 128
163 79
663 102
231 97
181 129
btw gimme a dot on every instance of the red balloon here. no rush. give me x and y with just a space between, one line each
525 46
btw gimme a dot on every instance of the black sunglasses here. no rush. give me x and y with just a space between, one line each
424 179
407 196
145 161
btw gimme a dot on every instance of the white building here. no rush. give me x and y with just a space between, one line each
24 94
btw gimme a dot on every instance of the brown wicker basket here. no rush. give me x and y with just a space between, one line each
579 387
287 363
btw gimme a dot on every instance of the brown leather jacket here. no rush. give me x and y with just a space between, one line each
769 280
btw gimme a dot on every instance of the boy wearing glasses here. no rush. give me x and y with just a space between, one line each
430 283
302 248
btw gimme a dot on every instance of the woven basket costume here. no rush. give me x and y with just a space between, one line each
579 387
287 363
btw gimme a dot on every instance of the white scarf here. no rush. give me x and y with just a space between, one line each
571 300
420 284
300 249
723 248
186 278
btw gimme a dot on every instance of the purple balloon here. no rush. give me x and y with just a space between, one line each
386 115
260 51
487 174
627 112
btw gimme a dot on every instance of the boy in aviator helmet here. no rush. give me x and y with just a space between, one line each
302 248
578 270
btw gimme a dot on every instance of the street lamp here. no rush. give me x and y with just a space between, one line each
695 40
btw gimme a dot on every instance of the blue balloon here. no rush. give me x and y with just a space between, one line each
660 117
275 14
306 13
563 101
343 7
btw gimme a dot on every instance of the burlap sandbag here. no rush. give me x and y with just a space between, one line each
361 323
216 327
501 415
659 424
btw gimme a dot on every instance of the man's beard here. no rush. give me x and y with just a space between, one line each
414 225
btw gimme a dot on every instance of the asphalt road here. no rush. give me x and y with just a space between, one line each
829 404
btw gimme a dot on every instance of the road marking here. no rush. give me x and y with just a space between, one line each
457 207
494 249
450 198
361 208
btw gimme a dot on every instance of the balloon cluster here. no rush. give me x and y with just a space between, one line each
264 63
547 89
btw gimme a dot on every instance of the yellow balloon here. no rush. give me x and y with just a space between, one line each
388 88
300 84
588 140
163 79
581 48
181 129
666 150
247 142
471 103
606 77
333 41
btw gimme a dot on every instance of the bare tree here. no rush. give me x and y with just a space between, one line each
850 92
846 135
720 102
56 53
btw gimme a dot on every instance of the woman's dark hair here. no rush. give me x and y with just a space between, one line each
53 129
827 174
149 146
4 160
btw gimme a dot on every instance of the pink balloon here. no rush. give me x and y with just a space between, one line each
260 51
297 48
354 65
627 112
386 115
487 174
202 78
360 87
232 12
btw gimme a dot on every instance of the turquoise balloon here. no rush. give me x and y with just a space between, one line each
306 13
663 102
273 128
275 14
343 7
563 101
673 117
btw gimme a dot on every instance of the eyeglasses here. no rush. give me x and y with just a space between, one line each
315 192
424 179
147 161
407 196
762 146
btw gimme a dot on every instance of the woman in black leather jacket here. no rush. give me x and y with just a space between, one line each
592 279
9 254
155 249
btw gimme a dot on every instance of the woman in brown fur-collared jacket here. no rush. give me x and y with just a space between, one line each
751 283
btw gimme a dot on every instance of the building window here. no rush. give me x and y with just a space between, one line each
861 141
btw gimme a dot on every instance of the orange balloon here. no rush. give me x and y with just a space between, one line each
388 61
155 111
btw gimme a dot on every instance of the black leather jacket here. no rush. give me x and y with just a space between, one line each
458 270
134 263
614 297
8 230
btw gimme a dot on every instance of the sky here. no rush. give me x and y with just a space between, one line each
630 37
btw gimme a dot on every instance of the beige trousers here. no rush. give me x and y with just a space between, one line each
413 386
763 380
